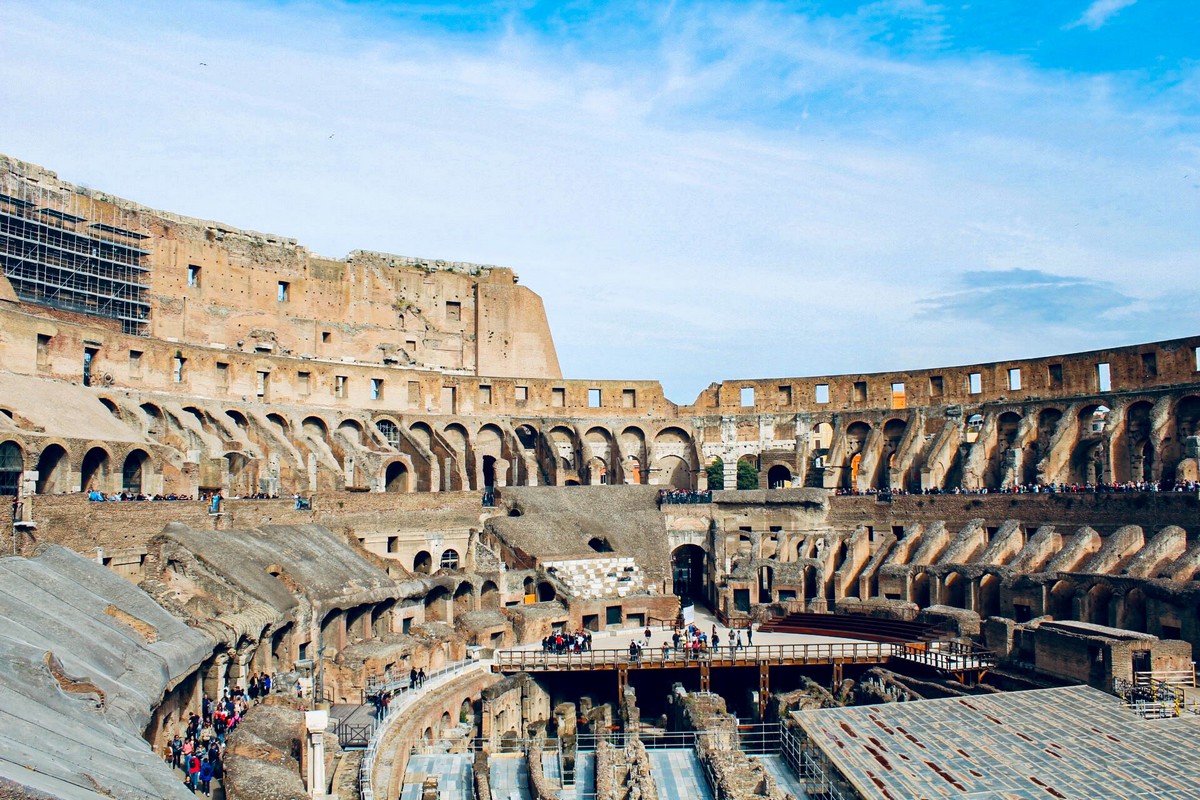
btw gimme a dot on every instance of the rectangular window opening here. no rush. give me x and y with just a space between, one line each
785 395
899 400
1014 379
521 394
1056 376
822 393
282 291
263 386
376 388
453 311
179 365
593 398
222 375
558 397
414 394
1149 365
193 276
1104 377
975 383
747 396
135 363
485 395
860 391
326 336
43 350
629 398
340 386
937 386
302 381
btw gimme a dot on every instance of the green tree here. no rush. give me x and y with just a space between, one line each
716 474
747 475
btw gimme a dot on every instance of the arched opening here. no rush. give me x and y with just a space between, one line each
779 477
989 596
1099 605
1133 617
93 473
689 578
1062 601
600 544
423 563
489 595
545 592
52 470
449 560
238 418
435 604
315 428
811 592
395 477
279 422
856 437
954 590
747 473
12 464
527 437
920 590
489 472
111 406
766 579
389 431
464 599
132 479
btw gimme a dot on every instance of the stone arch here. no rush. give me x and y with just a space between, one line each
12 465
779 476
395 477
1099 605
921 590
156 426
316 428
95 469
856 438
489 471
280 422
464 599
1133 456
423 562
457 436
989 596
489 595
766 583
1062 601
390 432
351 429
111 405
134 471
893 435
1048 420
632 446
449 560
238 418
53 469
954 590
1133 611
546 592
436 601
689 572
422 433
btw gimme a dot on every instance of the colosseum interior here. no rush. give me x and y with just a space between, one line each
366 477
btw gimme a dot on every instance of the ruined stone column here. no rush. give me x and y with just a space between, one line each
315 723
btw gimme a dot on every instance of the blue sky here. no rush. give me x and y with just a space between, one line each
699 191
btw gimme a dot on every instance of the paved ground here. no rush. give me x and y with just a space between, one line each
678 775
778 769
510 777
455 777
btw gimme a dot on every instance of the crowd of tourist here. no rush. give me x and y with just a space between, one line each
564 642
199 751
1037 488
683 497
97 496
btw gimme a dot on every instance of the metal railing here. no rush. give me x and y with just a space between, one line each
946 656
815 653
366 788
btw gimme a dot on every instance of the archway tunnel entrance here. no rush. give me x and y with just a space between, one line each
688 574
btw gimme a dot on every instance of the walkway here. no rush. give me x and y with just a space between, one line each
585 778
456 778
678 775
509 777
778 769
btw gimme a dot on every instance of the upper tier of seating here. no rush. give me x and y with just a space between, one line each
853 627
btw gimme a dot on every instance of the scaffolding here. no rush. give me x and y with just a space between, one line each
63 249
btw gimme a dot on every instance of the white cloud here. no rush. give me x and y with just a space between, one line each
1098 14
